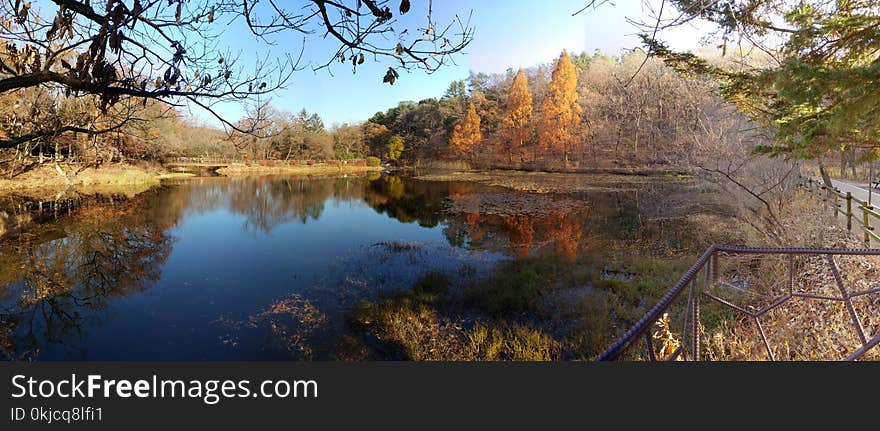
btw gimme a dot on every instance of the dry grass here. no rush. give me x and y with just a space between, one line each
411 324
48 177
801 328
171 175
443 165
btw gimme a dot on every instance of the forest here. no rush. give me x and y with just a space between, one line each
577 111
531 214
648 108
75 90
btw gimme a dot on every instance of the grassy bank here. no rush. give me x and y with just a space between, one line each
241 169
50 176
536 308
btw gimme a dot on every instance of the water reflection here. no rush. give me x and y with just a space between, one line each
219 268
54 279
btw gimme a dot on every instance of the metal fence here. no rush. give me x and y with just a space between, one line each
725 275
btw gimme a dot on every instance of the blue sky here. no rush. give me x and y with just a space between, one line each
509 34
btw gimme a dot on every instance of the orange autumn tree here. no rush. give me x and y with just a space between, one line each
560 112
466 135
520 233
565 231
518 115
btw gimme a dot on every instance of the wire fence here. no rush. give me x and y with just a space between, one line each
771 293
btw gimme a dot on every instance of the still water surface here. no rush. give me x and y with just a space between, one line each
204 269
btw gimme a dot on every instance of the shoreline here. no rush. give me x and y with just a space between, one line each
237 170
52 178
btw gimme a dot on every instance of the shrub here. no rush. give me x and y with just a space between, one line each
517 286
394 147
411 324
373 161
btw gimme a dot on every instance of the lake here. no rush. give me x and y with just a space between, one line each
269 268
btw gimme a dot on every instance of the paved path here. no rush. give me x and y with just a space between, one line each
857 191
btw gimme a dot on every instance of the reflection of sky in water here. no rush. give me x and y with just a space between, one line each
218 269
221 268
222 251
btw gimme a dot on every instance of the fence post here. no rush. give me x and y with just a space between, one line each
849 211
836 201
867 223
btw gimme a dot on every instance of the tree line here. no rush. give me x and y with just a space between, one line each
579 111
91 81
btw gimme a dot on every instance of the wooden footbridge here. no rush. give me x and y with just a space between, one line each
199 163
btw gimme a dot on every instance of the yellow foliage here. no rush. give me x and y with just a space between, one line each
466 135
560 112
519 113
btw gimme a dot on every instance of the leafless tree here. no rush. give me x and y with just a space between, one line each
171 51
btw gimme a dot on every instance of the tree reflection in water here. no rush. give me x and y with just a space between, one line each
58 275
55 279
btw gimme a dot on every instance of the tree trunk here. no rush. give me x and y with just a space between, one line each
852 161
15 161
522 155
289 150
825 177
565 156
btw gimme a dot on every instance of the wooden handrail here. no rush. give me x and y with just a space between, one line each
868 211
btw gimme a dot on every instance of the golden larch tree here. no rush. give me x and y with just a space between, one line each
560 111
518 115
466 135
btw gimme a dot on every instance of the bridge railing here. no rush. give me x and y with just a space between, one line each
260 162
202 160
757 288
